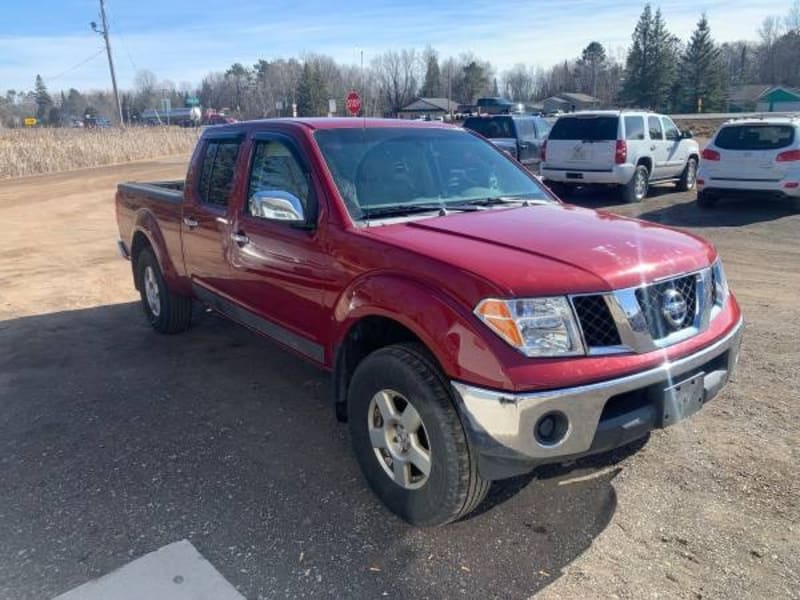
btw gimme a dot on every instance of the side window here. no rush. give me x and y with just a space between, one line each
634 128
276 168
525 130
542 128
656 131
217 172
670 130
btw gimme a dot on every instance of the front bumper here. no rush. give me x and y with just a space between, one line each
600 416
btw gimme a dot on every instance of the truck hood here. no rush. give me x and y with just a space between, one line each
553 249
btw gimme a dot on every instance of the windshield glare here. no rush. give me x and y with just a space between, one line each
395 167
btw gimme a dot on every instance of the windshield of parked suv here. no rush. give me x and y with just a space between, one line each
593 129
755 137
492 128
410 169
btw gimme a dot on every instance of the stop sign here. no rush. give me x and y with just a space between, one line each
353 102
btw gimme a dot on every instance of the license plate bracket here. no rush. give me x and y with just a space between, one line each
683 399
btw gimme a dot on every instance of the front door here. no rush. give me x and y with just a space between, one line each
676 151
281 271
205 227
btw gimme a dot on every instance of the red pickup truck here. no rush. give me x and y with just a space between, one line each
475 327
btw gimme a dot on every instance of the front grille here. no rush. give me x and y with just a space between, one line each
596 321
650 299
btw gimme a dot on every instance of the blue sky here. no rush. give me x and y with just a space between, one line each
183 40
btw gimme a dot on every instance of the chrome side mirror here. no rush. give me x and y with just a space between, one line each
277 205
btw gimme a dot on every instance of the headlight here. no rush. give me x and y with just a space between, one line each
720 283
534 326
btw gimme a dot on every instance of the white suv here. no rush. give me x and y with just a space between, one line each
631 149
751 157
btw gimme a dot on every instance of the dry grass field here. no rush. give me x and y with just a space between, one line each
35 151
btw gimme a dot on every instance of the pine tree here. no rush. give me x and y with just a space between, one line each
431 88
592 59
43 100
305 99
650 67
702 74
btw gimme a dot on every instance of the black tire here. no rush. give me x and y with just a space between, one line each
688 178
453 487
706 200
631 192
174 312
561 190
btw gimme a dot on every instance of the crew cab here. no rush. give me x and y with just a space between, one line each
475 327
751 157
520 136
627 149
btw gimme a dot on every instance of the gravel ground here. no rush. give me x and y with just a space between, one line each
115 441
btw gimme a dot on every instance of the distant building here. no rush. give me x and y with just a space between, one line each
569 102
763 98
428 107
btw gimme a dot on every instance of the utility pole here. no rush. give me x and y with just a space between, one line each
104 33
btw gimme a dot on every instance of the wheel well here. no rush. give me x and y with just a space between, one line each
140 242
363 338
647 162
695 157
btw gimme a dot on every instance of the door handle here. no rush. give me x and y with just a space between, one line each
190 222
240 238
652 148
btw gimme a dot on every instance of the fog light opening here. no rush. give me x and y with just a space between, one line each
551 428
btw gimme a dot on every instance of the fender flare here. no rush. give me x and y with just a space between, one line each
445 326
147 224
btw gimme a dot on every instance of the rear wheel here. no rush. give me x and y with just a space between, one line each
689 176
409 440
636 189
165 311
706 200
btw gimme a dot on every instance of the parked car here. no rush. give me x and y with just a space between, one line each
521 136
629 149
494 106
474 326
751 157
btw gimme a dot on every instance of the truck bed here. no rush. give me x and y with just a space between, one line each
170 191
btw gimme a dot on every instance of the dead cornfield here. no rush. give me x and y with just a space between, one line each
35 151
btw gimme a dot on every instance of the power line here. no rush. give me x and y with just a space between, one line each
76 66
113 20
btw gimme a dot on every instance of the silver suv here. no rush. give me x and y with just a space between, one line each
629 149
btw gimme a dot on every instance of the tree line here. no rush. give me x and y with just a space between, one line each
657 71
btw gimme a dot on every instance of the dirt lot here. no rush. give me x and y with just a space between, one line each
115 441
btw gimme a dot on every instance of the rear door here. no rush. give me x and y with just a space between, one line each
205 225
750 151
583 143
677 151
529 145
659 148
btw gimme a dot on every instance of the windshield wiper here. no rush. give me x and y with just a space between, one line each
399 210
497 200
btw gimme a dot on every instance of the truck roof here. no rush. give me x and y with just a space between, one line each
328 123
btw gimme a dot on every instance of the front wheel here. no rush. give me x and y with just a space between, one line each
636 189
409 440
689 176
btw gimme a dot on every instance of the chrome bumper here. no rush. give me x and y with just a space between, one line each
501 424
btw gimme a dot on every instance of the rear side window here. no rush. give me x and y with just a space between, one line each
755 137
217 171
656 130
496 127
594 129
634 128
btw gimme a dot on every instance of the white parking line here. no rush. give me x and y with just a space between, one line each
175 572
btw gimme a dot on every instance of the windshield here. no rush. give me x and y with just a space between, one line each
755 137
492 128
394 167
594 129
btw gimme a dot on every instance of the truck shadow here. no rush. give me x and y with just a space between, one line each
116 441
